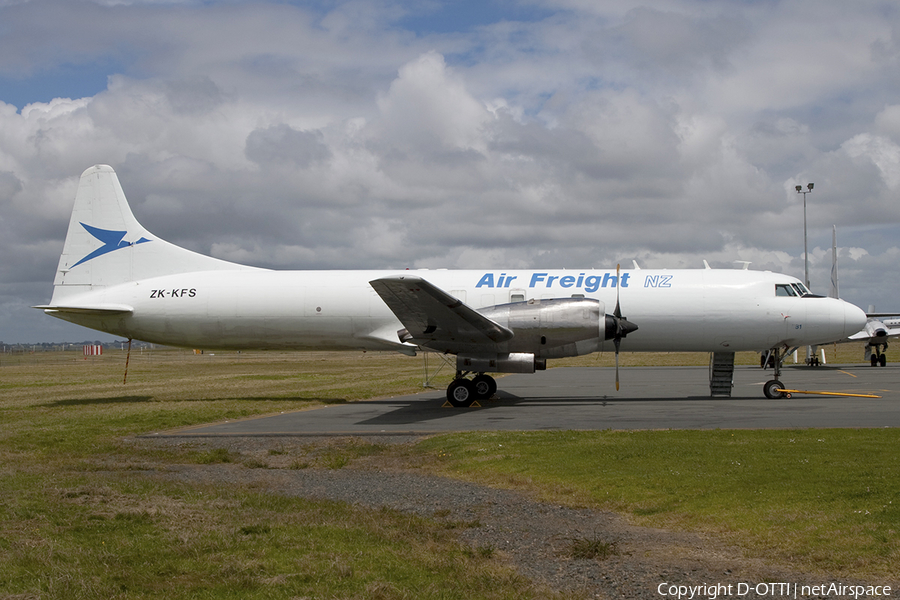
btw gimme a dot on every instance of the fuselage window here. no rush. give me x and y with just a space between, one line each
784 289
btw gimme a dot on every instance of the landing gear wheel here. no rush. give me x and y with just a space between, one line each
770 389
874 360
484 387
461 393
882 360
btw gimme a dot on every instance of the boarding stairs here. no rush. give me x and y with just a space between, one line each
721 374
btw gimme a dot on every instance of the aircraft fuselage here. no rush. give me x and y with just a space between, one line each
676 310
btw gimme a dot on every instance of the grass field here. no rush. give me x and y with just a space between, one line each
818 500
79 520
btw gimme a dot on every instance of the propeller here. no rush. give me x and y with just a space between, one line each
622 325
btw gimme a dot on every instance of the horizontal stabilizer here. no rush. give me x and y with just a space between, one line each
98 310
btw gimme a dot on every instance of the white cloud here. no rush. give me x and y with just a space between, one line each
428 107
591 134
888 122
883 153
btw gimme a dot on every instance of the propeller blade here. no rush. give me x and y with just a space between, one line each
616 342
618 314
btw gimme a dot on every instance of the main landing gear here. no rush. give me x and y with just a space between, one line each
877 356
775 358
462 392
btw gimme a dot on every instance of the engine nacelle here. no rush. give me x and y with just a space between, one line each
554 328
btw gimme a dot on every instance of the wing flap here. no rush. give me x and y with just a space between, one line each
430 314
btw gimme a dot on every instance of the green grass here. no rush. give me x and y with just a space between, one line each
115 538
592 548
81 515
834 354
822 500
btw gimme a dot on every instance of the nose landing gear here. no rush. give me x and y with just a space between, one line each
773 388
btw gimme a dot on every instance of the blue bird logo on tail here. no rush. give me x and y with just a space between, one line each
112 240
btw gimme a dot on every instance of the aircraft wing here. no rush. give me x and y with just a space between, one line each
434 318
875 329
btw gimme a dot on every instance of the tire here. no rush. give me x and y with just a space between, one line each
882 360
770 389
460 393
484 387
874 360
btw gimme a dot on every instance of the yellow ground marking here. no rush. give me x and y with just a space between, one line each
845 394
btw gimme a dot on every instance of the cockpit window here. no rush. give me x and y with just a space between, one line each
784 289
801 289
793 289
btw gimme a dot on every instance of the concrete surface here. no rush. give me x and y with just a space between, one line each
585 398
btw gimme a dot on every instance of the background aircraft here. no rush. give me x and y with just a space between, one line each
117 277
876 333
877 329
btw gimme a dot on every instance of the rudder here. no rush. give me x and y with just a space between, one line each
105 244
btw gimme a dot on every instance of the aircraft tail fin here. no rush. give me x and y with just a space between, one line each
105 244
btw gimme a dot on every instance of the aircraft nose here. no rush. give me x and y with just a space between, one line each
854 319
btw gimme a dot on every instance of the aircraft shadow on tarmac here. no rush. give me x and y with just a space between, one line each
676 387
412 410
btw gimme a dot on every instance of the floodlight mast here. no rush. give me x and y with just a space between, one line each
800 190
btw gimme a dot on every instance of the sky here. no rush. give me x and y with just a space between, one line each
457 134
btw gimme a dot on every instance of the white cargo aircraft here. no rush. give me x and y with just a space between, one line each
117 277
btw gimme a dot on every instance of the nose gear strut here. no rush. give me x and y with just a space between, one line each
773 388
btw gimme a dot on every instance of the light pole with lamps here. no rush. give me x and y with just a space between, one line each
800 190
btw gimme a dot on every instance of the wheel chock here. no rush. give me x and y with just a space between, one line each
474 404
